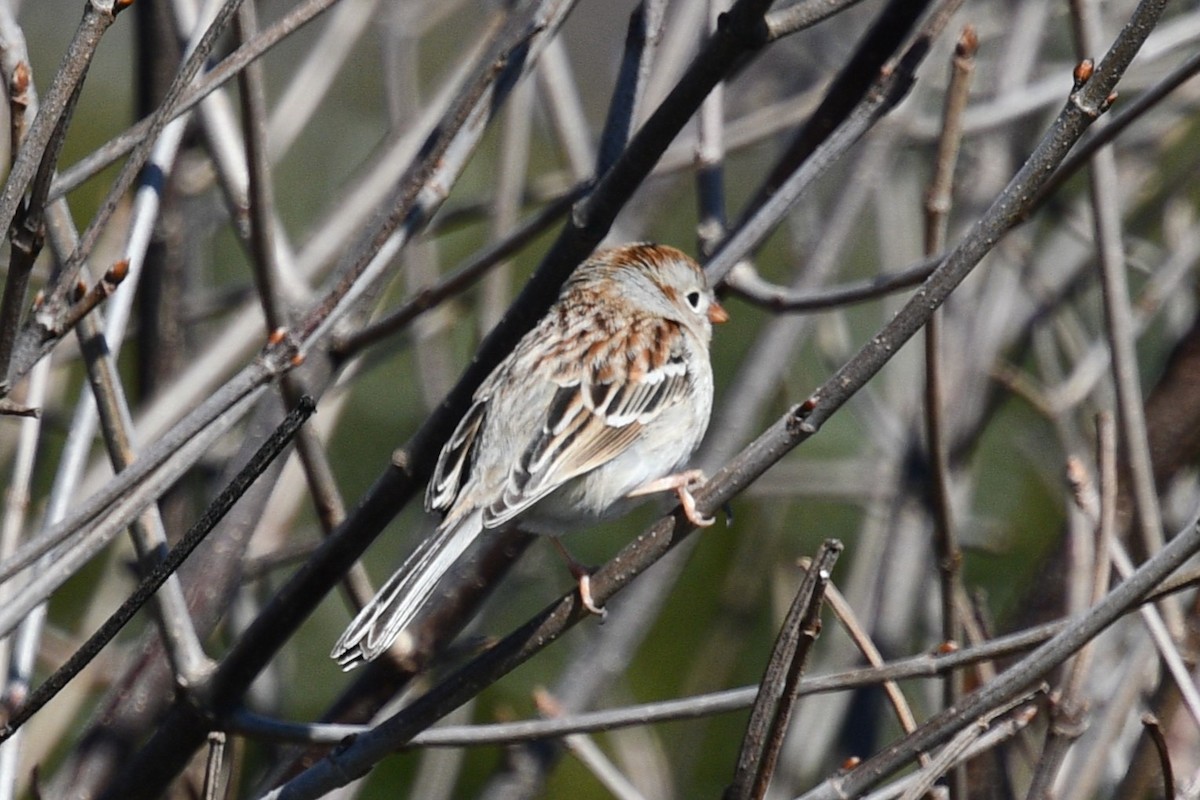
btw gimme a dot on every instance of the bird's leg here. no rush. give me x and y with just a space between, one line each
680 483
583 576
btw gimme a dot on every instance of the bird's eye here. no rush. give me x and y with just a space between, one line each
693 299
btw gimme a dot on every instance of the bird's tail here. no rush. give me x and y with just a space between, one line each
395 606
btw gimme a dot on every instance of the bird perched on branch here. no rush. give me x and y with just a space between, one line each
601 404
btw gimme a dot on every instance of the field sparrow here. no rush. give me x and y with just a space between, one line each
598 405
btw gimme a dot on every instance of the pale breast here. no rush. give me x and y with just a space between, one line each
663 447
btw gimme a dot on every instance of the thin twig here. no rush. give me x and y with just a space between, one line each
269 451
862 640
1067 715
226 70
997 733
98 16
778 690
591 756
641 43
744 282
141 151
710 155
430 297
1118 316
927 665
809 155
937 211
951 758
806 14
1009 684
1125 115
86 300
1154 731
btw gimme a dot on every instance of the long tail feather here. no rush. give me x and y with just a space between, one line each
399 601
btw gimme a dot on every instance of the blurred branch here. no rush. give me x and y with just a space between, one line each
311 84
938 199
844 122
742 281
804 14
1174 663
564 107
862 640
1067 712
511 178
423 300
641 42
853 82
17 653
709 162
227 69
1118 313
588 753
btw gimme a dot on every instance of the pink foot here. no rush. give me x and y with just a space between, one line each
580 573
681 484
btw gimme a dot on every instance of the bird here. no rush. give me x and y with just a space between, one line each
600 405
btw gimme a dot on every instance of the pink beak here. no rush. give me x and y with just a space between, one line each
717 313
